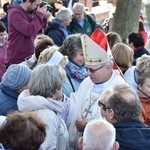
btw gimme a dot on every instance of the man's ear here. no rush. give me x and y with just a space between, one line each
80 143
116 146
140 87
111 114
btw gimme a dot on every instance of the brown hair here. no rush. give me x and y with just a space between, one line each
42 42
113 38
22 131
71 46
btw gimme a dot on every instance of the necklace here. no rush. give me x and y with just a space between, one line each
92 101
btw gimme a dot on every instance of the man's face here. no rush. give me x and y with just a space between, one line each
33 6
105 110
79 14
97 73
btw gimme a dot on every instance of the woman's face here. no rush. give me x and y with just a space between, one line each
79 58
145 87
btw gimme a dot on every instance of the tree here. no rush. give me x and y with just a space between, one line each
126 17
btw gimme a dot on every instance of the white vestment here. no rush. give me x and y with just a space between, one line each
87 97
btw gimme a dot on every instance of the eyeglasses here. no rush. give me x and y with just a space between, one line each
93 70
103 106
78 14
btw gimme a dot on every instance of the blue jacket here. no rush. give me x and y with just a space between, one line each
57 32
8 100
133 135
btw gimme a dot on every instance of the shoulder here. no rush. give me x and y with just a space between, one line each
87 81
89 17
116 77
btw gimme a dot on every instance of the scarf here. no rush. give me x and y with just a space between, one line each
74 71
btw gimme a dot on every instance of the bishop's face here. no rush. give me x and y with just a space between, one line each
98 73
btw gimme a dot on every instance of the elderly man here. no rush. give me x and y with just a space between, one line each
102 132
81 23
25 21
99 63
121 107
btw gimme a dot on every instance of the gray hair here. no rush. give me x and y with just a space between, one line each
143 65
78 6
99 134
124 101
71 46
64 13
46 80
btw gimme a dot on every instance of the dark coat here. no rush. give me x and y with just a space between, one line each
139 52
88 27
57 32
133 135
8 100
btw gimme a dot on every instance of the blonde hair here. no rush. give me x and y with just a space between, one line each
143 68
123 55
46 55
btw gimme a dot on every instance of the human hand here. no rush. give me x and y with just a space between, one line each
81 123
44 11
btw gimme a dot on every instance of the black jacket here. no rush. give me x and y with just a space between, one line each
133 135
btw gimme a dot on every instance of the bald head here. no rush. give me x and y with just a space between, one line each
99 135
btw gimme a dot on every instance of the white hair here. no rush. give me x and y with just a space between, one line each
64 13
99 135
78 6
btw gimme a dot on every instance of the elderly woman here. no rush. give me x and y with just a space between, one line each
75 69
52 56
57 29
45 98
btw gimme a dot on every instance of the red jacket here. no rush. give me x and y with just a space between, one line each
22 29
144 35
2 60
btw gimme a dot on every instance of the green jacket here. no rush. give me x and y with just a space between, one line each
88 27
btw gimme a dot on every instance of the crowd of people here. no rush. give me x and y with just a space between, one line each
65 84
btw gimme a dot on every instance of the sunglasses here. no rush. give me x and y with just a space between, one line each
93 70
103 106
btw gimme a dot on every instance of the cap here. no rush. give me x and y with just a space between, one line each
16 76
96 48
